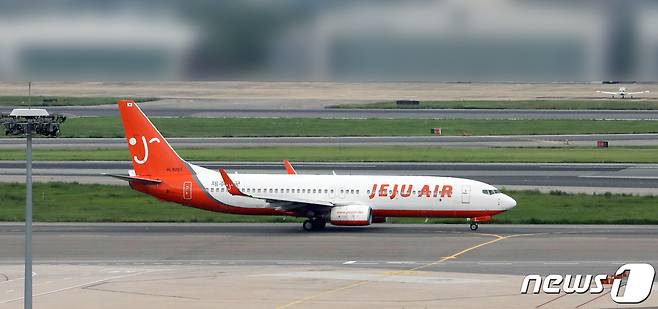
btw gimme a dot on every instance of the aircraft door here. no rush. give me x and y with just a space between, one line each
187 190
466 194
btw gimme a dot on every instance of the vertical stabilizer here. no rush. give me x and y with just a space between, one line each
150 153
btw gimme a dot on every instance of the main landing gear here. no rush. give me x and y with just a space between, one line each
474 226
314 224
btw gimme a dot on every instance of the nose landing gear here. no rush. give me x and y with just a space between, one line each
474 226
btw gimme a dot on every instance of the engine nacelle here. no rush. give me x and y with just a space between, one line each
354 215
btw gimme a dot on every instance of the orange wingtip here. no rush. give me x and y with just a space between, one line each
289 168
230 186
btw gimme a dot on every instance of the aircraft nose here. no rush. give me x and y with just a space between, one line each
508 202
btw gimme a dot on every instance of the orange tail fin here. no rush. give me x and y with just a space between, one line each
150 153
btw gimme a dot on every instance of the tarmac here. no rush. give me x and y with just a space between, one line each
281 266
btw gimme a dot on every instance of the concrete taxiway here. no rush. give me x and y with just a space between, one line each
586 178
281 266
586 140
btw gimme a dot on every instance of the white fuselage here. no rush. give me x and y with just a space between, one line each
384 194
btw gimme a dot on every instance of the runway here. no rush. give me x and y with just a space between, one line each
153 110
585 140
586 178
279 265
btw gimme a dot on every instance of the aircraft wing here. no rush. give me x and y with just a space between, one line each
279 202
607 92
638 92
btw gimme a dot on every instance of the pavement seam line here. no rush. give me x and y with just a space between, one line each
443 259
82 285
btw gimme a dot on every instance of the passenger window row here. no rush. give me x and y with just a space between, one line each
277 190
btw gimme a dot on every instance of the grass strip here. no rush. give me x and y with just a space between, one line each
365 154
72 202
63 101
615 104
273 127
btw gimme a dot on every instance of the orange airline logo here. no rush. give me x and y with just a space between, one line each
133 141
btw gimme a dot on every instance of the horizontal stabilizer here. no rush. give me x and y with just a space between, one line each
146 181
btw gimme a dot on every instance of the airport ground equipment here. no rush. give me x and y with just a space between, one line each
27 122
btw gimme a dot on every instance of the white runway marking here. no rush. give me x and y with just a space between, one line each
495 263
360 263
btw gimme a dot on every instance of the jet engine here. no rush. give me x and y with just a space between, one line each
354 215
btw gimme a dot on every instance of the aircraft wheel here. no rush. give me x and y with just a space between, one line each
474 226
308 225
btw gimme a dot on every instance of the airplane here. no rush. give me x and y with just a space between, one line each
622 92
341 200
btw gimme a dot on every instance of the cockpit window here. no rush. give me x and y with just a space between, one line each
490 192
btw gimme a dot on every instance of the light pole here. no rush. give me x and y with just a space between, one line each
28 122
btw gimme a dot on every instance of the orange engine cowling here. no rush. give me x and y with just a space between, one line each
354 215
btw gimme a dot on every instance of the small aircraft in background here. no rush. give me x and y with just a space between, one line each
622 93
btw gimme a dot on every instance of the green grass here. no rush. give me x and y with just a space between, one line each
59 202
227 127
367 154
63 101
615 104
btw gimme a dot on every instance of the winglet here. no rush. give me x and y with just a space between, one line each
230 186
289 168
